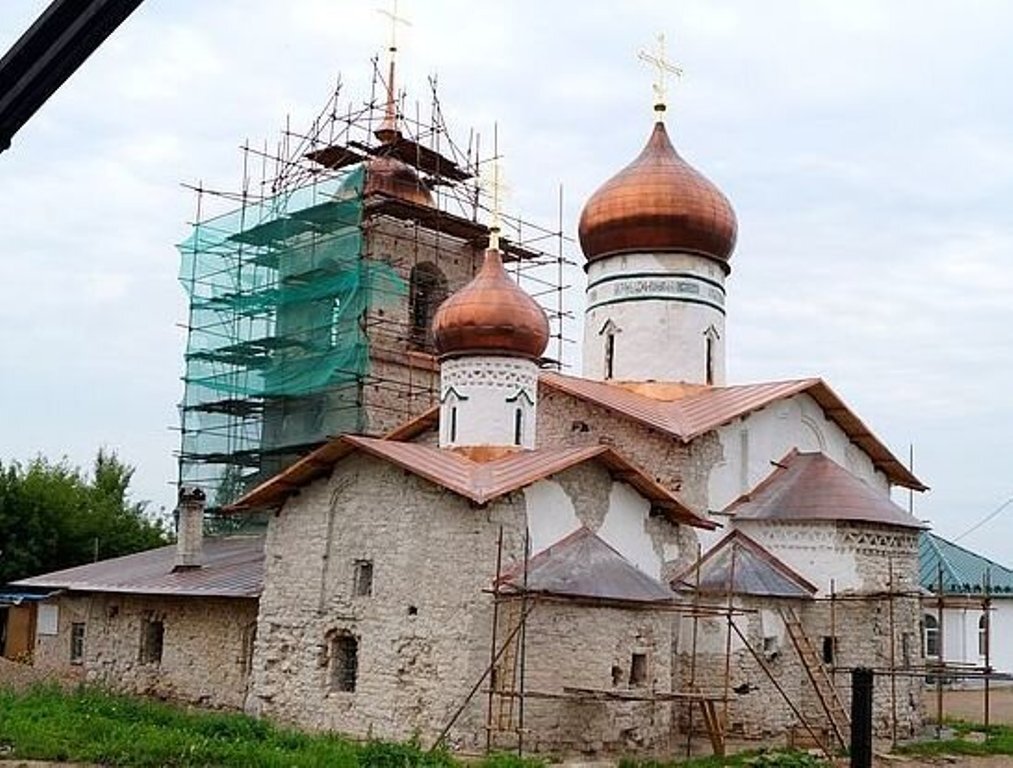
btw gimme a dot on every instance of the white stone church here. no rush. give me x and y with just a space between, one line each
544 558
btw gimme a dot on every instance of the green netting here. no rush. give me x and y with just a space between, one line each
277 344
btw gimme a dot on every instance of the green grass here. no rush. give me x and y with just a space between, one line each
999 741
750 759
93 726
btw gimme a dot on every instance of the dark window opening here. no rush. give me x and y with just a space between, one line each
427 290
77 642
638 669
344 663
710 358
363 586
152 641
518 425
617 675
610 354
829 650
453 423
983 636
413 610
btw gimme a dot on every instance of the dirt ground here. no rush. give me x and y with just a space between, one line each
970 705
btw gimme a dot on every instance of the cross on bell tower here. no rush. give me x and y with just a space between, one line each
388 130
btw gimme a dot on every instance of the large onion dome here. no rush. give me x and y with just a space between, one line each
491 315
391 177
658 203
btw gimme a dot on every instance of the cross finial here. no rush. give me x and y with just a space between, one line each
664 67
492 182
388 130
394 21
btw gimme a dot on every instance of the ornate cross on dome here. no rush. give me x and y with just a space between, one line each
494 184
658 60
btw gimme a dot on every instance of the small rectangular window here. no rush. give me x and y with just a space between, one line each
518 426
610 354
363 586
829 650
453 423
152 638
344 662
77 642
638 669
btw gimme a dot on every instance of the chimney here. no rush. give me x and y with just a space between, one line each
190 529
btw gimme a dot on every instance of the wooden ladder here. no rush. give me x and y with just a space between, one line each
505 684
818 675
712 722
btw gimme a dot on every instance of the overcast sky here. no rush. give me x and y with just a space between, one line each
867 148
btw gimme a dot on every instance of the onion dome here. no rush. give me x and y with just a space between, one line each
389 176
658 203
491 315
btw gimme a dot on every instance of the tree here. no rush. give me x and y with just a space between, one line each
52 516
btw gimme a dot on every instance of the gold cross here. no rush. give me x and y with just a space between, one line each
394 21
664 67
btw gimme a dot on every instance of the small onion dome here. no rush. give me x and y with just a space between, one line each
658 203
394 178
491 315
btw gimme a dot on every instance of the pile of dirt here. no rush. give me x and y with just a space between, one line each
20 676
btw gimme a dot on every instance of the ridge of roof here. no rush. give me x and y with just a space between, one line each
812 486
480 482
686 413
964 571
759 582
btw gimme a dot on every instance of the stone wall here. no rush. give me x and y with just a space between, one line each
206 645
421 632
572 646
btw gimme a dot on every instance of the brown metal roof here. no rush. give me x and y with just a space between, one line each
686 412
583 566
811 486
481 482
740 565
233 567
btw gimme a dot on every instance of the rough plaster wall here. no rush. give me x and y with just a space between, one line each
423 633
771 433
566 421
625 528
863 637
576 646
203 656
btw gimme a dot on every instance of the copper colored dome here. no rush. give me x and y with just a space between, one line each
658 203
394 178
491 315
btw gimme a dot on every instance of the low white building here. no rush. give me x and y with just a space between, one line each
973 622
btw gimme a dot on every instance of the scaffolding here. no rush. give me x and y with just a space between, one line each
309 279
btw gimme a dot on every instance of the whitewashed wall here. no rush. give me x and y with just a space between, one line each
960 633
752 443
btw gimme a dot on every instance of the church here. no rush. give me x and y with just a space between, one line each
509 556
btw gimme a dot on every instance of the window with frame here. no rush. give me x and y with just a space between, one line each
152 641
77 642
362 585
427 288
344 658
930 628
983 636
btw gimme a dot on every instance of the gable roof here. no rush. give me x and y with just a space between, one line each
479 481
686 411
811 486
964 571
233 567
740 564
581 565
